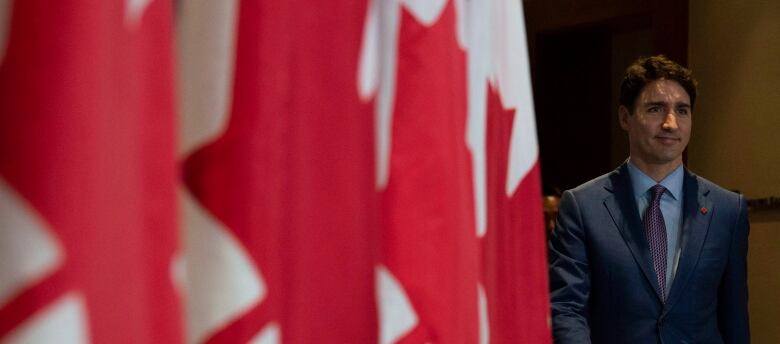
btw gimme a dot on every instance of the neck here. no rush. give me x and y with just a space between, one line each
656 171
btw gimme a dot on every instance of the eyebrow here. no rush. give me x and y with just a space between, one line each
678 105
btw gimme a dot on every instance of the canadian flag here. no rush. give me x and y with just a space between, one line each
463 257
278 177
87 173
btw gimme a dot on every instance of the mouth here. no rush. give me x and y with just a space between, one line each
668 140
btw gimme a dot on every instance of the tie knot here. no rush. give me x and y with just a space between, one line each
657 191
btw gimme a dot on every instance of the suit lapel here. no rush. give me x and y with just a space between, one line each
622 208
694 230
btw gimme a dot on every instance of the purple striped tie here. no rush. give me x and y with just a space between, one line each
655 229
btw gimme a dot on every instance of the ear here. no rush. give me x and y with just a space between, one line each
623 114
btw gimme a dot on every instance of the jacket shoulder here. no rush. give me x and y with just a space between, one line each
595 186
715 191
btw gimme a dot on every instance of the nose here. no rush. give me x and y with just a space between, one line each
670 122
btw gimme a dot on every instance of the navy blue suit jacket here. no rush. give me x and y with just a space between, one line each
603 286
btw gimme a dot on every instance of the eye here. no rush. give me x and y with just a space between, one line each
683 111
654 109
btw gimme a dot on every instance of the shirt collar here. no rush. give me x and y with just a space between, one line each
640 182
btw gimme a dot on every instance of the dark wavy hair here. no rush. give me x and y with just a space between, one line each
647 69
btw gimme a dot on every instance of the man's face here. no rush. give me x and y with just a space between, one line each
660 127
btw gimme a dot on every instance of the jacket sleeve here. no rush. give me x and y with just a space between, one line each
569 275
733 291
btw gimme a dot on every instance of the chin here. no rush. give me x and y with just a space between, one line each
667 159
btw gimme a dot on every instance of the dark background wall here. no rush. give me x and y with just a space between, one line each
578 52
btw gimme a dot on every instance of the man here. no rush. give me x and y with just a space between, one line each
651 253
